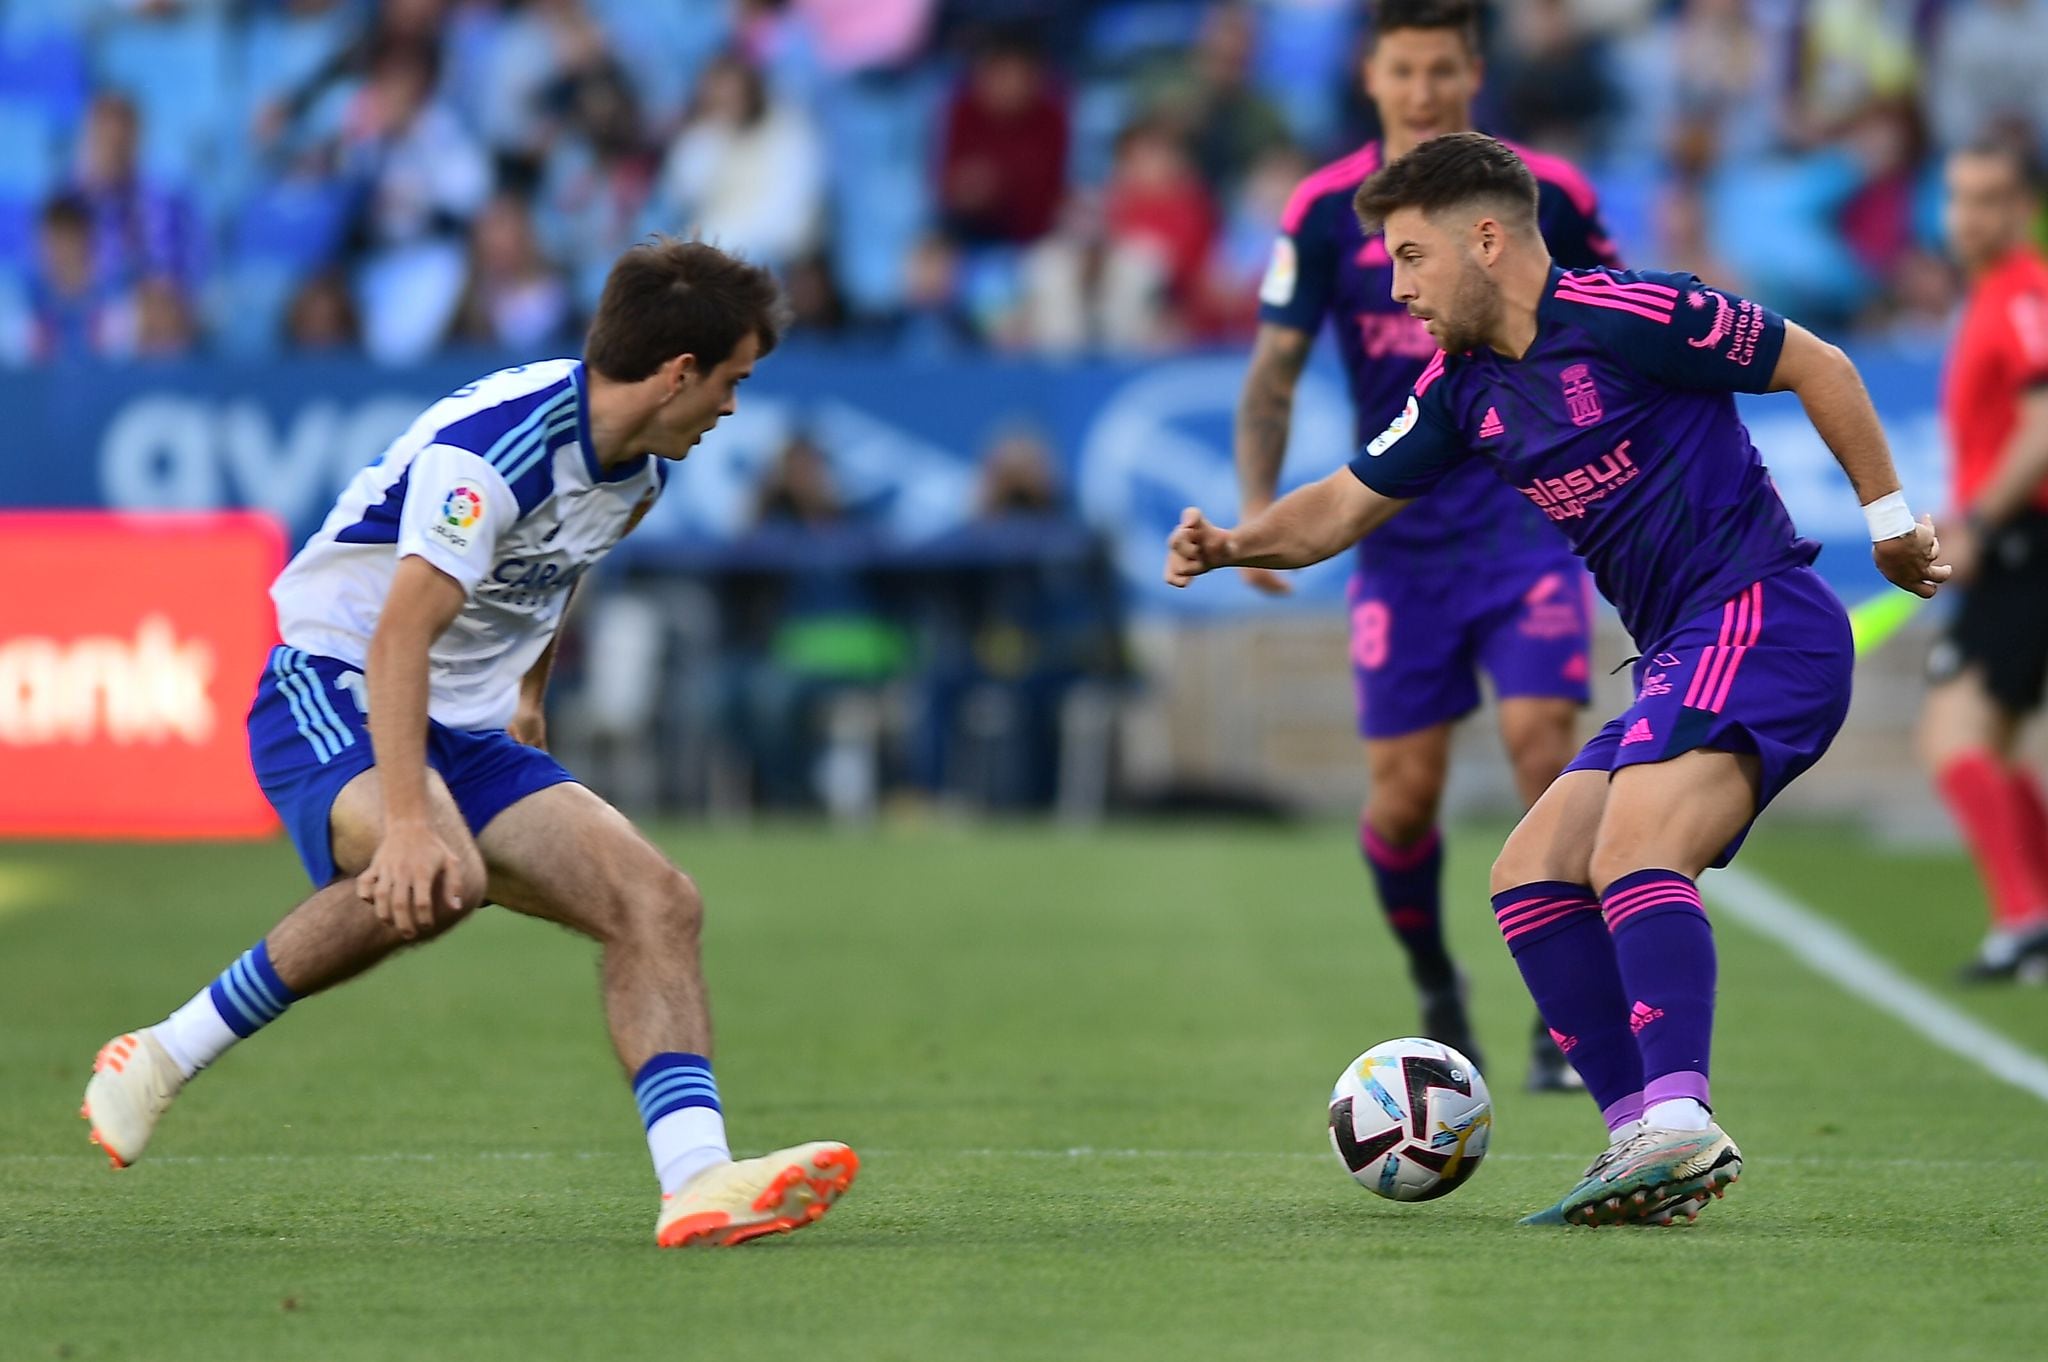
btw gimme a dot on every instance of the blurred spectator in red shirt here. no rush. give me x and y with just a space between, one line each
1886 141
1156 208
1003 165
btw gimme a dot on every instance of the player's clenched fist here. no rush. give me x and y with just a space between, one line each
1194 547
1909 561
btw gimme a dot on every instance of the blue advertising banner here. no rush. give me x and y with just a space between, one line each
1137 441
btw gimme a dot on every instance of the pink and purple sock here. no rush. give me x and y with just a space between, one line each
1664 946
1554 931
1410 884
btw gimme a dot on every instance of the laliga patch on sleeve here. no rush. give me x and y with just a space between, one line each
462 510
1398 427
1277 288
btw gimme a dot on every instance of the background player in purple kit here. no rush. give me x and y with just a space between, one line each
1603 397
1471 581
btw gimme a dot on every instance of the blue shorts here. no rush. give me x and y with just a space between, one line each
1766 674
1420 637
308 738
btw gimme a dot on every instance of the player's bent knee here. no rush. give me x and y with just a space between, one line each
1531 856
665 906
1400 821
474 882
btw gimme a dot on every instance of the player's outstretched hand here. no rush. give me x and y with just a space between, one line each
1195 547
411 880
1910 561
1267 582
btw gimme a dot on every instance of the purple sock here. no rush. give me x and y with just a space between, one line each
1554 931
1410 884
1665 947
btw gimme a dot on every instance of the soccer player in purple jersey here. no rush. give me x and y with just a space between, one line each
1604 398
1472 580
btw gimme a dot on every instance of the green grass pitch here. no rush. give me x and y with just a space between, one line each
1086 1074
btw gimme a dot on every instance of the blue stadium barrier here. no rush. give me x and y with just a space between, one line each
1136 441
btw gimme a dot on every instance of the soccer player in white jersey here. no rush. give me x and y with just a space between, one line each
398 729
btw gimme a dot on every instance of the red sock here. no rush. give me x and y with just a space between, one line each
2033 816
1994 819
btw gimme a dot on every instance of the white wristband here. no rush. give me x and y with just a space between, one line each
1888 517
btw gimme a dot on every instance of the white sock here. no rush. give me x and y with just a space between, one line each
686 1142
1678 1113
196 1034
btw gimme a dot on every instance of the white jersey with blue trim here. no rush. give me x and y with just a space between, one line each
495 485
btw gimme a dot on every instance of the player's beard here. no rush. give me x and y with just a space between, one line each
1473 310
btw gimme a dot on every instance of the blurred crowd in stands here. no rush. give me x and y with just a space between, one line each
396 177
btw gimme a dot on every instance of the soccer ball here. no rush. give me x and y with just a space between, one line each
1409 1119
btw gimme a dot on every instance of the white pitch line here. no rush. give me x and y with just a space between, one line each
1828 950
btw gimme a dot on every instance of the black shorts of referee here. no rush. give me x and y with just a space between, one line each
2001 624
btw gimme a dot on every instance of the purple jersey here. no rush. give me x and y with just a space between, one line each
1618 424
1326 265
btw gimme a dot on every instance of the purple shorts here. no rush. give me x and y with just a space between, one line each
1766 674
1419 639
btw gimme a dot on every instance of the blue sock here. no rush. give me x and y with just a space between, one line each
678 1100
249 995
671 1081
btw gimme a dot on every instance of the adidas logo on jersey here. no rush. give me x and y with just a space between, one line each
1639 731
1491 426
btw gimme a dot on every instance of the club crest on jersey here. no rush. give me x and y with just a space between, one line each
1396 428
1581 398
461 510
1737 326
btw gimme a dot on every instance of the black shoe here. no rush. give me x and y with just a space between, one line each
2007 956
1444 1019
1549 1070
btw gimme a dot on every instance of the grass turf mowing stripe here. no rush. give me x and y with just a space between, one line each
1830 951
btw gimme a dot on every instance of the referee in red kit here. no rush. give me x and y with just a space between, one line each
1988 671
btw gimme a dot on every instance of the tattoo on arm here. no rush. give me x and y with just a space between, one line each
1265 410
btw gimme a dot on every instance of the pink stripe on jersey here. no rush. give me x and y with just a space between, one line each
1353 170
1619 305
1561 173
1430 374
1645 289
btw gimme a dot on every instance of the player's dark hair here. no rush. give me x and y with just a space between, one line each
1462 16
1452 171
667 297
